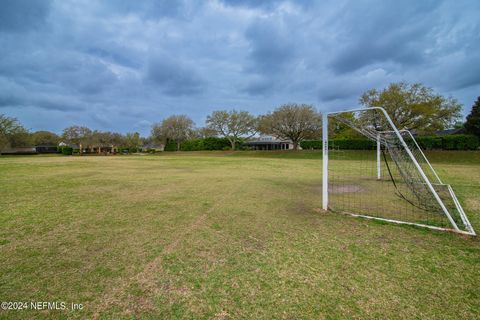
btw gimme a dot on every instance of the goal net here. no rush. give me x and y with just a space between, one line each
384 174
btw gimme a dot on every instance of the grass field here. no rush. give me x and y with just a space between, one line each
222 235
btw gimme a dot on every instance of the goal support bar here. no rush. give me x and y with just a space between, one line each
325 161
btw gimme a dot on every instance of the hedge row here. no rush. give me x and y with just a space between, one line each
67 151
449 142
350 144
212 143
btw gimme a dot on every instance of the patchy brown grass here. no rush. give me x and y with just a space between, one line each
220 235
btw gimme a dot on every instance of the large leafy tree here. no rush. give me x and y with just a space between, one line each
473 119
414 106
133 140
296 122
12 133
232 124
176 128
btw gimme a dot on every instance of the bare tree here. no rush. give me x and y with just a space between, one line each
205 132
232 124
174 128
296 122
133 140
77 135
12 133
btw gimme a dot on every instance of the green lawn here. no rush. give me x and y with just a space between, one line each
222 235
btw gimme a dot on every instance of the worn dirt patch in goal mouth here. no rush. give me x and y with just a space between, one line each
345 189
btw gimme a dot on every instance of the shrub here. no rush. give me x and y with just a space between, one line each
170 146
311 144
460 142
430 142
352 144
192 145
67 151
349 144
212 143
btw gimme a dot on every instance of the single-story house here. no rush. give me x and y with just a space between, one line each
450 131
268 143
94 149
152 147
46 148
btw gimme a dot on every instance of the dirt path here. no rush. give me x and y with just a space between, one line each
118 296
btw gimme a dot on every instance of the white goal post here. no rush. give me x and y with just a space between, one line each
408 191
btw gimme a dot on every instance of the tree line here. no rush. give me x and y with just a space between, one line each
411 106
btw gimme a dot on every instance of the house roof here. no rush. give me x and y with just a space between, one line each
449 131
267 140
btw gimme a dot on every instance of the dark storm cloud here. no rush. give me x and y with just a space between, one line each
271 54
16 95
23 15
388 31
172 76
122 65
271 48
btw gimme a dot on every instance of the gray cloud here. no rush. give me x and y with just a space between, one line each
172 76
271 48
121 65
23 15
264 4
389 31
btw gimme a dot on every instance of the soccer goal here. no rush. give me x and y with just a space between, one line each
385 175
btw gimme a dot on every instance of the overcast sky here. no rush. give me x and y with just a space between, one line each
123 65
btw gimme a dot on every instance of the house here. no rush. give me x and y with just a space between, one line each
46 148
450 131
268 143
101 149
93 149
152 147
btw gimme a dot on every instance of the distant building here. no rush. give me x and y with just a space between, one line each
46 148
449 131
268 143
152 147
93 149
19 151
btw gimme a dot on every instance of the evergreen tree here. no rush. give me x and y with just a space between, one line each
473 119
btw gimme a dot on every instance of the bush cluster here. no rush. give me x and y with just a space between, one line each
344 143
449 142
212 143
67 151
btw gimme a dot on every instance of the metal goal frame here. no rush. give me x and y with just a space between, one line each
325 180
